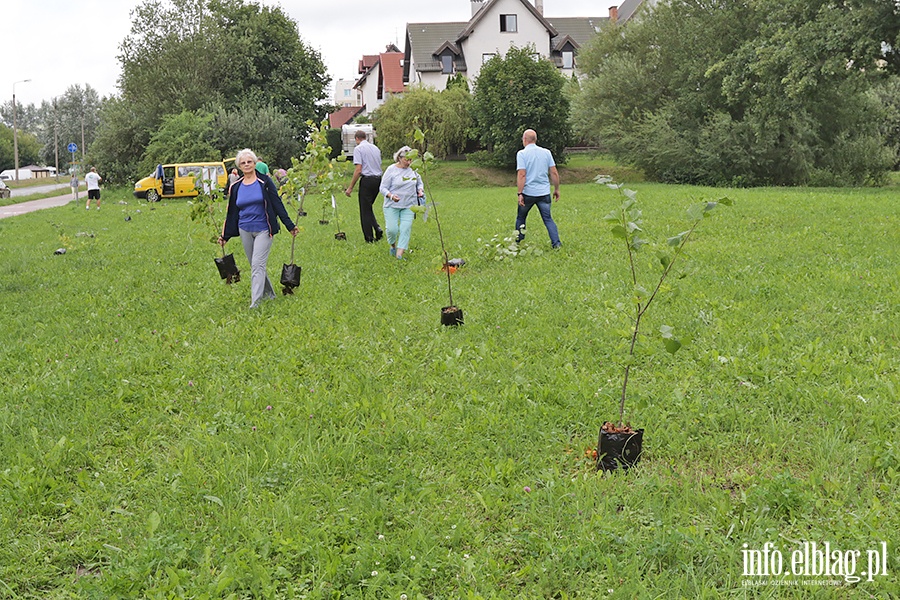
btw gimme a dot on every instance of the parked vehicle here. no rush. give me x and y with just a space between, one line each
348 136
5 192
180 180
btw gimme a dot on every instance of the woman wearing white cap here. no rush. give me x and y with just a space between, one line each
402 189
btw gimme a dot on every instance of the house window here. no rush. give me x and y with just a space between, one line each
346 92
568 59
508 23
446 64
487 57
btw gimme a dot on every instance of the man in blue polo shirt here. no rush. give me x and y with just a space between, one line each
535 170
367 158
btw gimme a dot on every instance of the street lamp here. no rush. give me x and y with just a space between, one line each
15 130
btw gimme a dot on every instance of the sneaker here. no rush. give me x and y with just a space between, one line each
87 208
393 252
378 235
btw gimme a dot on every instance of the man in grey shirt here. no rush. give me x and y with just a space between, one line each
367 158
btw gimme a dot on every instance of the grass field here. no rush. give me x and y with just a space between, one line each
158 439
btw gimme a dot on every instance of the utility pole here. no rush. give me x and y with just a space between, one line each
56 137
15 129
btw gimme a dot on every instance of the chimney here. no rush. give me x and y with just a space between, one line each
539 5
613 14
476 6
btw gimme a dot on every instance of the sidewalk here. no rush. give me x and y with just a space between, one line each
26 207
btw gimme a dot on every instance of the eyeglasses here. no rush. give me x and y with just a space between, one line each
247 162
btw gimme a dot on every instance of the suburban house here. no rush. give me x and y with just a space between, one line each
346 93
436 51
381 76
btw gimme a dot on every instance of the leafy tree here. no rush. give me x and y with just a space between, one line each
122 138
223 58
742 93
274 64
64 119
334 139
264 128
27 116
444 115
29 148
186 136
515 93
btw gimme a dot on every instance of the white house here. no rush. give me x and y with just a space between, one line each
346 94
436 51
381 76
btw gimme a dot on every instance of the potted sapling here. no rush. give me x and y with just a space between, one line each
618 445
203 209
317 174
451 314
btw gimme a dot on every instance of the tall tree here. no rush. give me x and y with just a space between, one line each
443 115
744 93
517 92
72 117
190 55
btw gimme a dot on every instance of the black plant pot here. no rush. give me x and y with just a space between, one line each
323 221
451 315
619 450
228 269
340 235
301 213
290 278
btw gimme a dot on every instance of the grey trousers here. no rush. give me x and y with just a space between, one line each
257 245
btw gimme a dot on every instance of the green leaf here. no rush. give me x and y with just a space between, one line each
214 500
695 212
672 345
664 259
726 201
637 243
630 193
619 232
153 522
667 331
613 217
676 240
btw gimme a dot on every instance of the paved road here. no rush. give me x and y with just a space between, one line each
39 189
26 207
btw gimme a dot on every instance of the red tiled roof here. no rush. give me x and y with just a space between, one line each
343 115
392 71
367 62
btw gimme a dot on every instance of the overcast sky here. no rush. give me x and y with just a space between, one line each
60 43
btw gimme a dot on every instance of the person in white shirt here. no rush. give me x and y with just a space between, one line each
93 187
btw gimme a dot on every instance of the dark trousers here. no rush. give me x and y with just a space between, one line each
368 192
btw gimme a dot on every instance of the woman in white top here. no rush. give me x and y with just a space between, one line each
402 189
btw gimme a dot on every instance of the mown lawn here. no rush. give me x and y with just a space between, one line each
160 440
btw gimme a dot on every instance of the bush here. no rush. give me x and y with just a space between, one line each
515 93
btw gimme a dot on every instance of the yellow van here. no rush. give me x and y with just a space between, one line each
180 179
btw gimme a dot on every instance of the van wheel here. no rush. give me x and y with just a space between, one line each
152 196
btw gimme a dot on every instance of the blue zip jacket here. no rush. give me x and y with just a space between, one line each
271 199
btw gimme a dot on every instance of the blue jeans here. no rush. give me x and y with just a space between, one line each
543 206
398 226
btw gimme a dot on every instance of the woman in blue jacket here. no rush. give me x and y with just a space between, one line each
254 208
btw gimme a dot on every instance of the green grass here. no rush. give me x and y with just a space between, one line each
140 458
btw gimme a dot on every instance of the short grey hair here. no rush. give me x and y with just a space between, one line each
245 152
401 153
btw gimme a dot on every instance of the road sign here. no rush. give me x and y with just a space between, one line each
72 147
